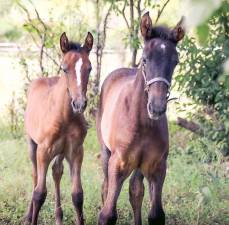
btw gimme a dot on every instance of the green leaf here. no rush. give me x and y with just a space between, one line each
203 32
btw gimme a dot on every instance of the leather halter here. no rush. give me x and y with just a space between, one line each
154 80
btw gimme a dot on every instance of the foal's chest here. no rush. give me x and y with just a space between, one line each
70 138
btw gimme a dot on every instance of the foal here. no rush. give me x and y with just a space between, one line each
56 127
132 125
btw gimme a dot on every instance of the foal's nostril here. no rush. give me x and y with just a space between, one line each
75 106
84 105
78 107
156 108
151 107
159 110
73 103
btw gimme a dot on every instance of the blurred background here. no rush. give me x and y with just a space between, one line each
196 188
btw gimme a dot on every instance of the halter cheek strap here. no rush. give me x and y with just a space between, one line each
154 80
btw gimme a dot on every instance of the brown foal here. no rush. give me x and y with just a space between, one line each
56 127
132 125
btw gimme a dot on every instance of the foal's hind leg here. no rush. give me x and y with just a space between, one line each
75 162
136 191
57 172
32 147
156 180
105 156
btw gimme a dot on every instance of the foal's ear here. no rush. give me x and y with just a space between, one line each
146 26
64 43
88 42
179 31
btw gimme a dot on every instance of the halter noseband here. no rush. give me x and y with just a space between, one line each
154 80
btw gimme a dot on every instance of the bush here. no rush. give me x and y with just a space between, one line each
202 78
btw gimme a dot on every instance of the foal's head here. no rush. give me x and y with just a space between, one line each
77 67
159 60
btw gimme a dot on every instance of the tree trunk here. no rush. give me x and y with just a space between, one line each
132 34
101 40
98 44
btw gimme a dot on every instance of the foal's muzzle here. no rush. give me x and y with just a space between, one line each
156 108
79 106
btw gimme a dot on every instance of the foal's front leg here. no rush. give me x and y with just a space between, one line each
156 180
57 172
117 173
75 162
136 192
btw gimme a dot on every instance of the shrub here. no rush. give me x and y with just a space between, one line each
202 78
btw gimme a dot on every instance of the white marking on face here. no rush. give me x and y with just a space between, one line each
163 46
78 66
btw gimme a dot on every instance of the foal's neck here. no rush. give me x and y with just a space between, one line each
60 98
139 98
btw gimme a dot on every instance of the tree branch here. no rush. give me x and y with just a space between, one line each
41 54
30 21
105 25
160 11
124 16
189 125
42 36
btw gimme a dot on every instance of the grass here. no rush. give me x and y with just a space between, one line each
195 193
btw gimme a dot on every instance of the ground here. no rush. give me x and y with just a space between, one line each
195 193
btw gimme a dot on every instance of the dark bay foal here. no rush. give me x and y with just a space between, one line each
132 125
56 127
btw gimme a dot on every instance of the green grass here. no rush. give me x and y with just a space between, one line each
195 193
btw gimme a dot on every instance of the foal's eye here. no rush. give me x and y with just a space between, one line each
64 68
144 60
176 61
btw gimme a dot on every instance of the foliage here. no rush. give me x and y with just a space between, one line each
44 36
136 9
201 79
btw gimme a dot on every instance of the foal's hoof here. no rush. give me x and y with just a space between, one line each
107 219
59 216
59 222
157 221
26 220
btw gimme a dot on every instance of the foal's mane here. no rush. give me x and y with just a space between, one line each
162 32
74 46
